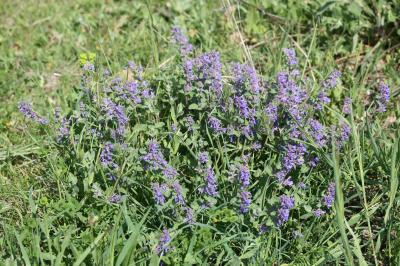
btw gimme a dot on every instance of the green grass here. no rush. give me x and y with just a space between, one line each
40 47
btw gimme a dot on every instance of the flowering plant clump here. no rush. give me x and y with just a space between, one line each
207 152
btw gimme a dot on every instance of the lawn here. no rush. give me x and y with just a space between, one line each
199 132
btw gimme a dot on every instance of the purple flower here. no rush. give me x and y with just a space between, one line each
322 99
331 81
256 146
178 193
215 125
272 112
27 111
245 201
169 171
291 96
318 213
158 193
281 176
174 127
241 104
189 122
209 68
244 176
253 79
117 113
238 77
384 95
146 93
210 187
106 73
317 132
154 158
344 134
283 216
286 204
189 215
106 156
329 197
294 156
263 229
327 84
242 73
247 131
182 41
132 89
115 198
136 69
346 105
302 185
290 56
314 161
111 177
203 157
88 67
189 74
163 244
63 131
57 113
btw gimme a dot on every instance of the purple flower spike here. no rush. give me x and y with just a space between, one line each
286 203
384 95
215 124
189 122
189 215
163 244
182 41
329 197
203 157
317 132
241 104
344 136
272 112
244 176
115 112
178 193
253 79
290 56
169 171
263 229
209 70
256 146
294 156
245 199
106 156
27 111
346 106
154 158
318 213
63 130
158 193
115 198
243 73
331 81
88 67
211 183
